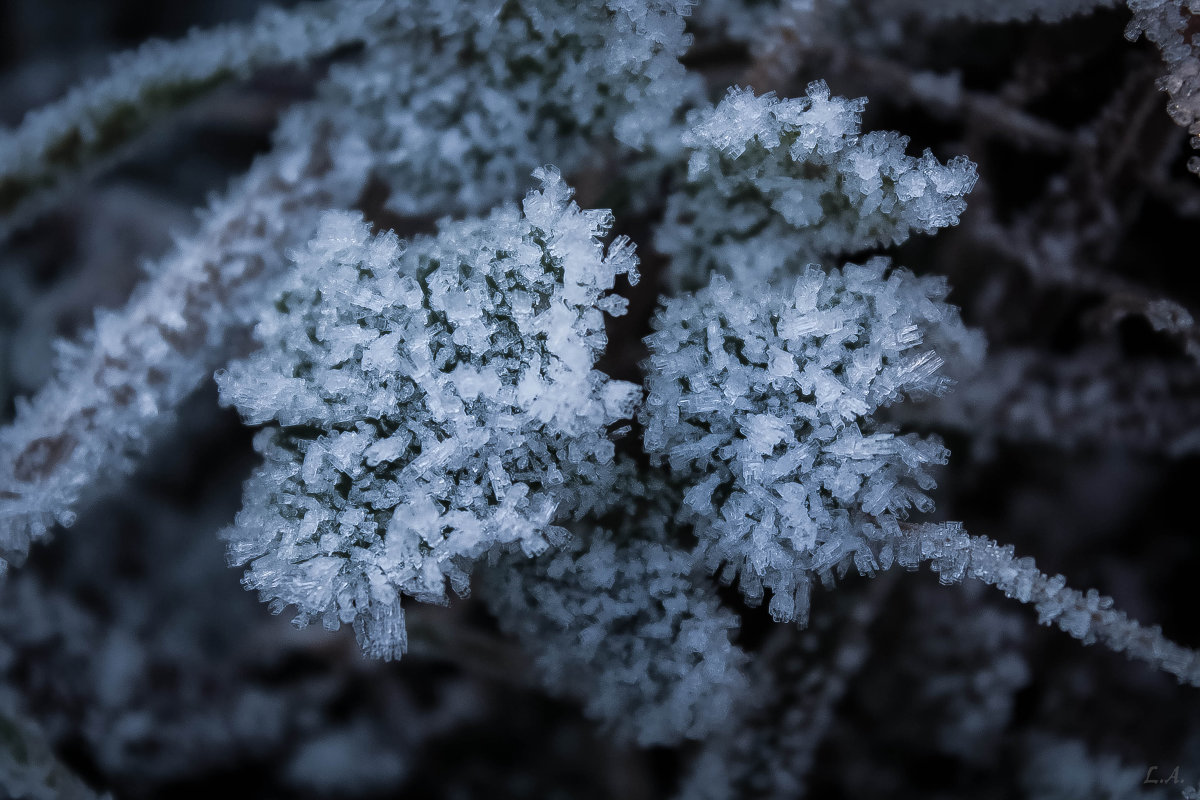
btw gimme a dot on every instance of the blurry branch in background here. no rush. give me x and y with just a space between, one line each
83 429
1091 399
96 121
800 677
29 768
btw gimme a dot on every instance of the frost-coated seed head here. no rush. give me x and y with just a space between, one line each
775 184
764 401
428 403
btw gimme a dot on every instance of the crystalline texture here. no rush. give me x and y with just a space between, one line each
765 401
774 184
425 401
625 622
477 94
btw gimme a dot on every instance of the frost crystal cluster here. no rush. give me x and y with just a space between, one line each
479 93
429 403
766 399
775 184
625 623
448 109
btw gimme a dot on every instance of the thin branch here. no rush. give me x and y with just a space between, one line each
944 96
954 554
96 120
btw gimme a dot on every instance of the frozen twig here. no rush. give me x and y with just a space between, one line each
95 120
954 554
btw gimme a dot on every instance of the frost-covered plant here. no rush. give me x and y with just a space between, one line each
433 414
431 402
765 400
479 93
96 120
776 184
617 74
624 622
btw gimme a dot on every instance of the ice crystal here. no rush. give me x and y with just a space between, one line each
764 400
775 184
624 622
428 403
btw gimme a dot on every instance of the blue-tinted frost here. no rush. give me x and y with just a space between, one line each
428 402
764 401
775 184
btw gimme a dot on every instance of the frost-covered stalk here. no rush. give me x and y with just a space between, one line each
85 427
97 118
432 402
954 555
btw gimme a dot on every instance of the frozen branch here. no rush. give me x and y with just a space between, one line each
110 392
954 555
95 120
